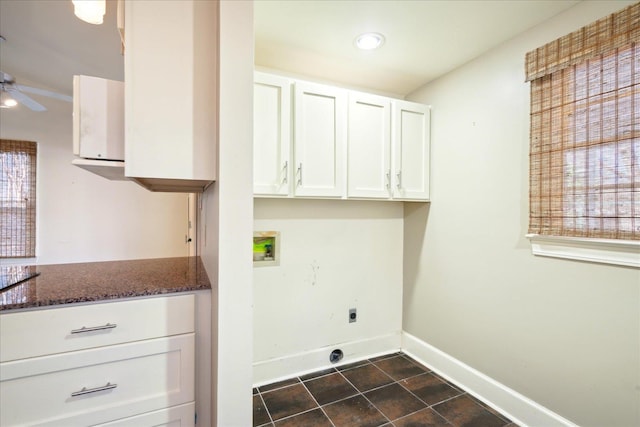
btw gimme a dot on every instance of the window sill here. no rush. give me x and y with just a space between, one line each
605 251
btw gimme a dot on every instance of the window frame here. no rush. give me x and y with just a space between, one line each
600 38
603 251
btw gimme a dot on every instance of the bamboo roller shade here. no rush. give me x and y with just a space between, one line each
17 198
585 131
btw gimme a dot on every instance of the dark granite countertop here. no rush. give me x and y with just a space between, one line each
98 281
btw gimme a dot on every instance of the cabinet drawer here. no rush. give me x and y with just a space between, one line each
177 416
58 330
98 385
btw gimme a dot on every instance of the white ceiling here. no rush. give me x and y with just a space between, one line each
45 44
424 39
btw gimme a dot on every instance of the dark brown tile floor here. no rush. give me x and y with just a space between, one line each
389 391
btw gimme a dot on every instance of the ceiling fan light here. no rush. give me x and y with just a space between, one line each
91 11
6 101
369 41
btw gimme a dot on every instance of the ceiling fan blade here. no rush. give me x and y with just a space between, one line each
25 100
43 92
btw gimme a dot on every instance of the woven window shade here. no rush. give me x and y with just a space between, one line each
17 198
601 37
585 147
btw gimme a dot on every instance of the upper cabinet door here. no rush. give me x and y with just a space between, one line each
170 93
369 146
271 135
411 152
319 140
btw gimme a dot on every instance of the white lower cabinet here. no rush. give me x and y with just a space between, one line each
133 382
176 416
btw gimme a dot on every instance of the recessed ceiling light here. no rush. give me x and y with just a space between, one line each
91 11
369 41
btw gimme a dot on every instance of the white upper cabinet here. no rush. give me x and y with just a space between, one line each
171 93
271 135
411 151
337 143
98 126
369 146
319 140
98 122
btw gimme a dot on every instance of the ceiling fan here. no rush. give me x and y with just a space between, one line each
12 93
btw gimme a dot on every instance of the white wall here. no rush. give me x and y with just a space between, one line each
563 333
82 217
335 255
226 220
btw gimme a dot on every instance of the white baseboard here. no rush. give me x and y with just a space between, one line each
272 370
517 407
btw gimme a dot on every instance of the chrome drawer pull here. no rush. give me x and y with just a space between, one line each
85 390
94 328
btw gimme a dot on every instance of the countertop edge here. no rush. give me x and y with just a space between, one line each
64 284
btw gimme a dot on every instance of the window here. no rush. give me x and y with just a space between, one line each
585 131
17 199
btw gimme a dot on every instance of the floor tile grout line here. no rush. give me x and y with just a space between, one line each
420 410
318 377
365 397
361 363
394 381
492 410
377 409
343 399
427 406
423 401
279 388
294 415
439 377
266 408
461 391
384 357
474 400
273 422
318 403
398 382
381 370
428 371
367 391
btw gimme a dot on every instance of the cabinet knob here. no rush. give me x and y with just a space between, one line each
299 173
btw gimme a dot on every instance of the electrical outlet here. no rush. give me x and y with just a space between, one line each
353 316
